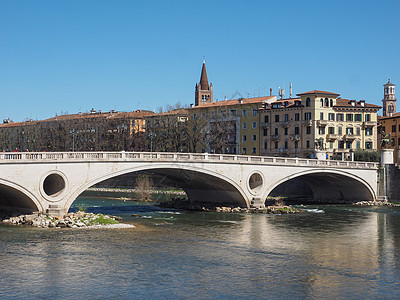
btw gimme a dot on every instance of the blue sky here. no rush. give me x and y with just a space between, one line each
70 56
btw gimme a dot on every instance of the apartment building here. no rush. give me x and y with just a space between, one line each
317 121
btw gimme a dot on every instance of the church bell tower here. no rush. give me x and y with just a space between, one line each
389 99
203 91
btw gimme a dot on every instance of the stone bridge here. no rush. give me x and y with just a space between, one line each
50 182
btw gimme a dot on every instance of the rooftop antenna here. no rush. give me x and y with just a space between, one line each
290 90
281 92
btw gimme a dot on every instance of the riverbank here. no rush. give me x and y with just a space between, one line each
377 203
71 220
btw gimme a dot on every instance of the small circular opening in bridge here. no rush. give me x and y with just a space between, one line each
255 182
53 185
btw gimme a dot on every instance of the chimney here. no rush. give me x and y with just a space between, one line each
362 102
353 102
191 105
270 92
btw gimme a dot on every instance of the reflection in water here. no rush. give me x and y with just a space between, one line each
341 252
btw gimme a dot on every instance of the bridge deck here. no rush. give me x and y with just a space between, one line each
31 157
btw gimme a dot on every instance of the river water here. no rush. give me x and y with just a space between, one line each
327 252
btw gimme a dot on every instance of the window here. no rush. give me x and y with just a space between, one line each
286 144
322 102
331 145
331 103
276 145
308 102
349 117
307 144
339 117
358 131
348 145
276 131
393 128
254 112
368 145
265 144
349 130
340 130
244 150
286 117
308 130
276 118
340 144
296 130
321 116
331 130
254 125
321 130
244 125
358 144
254 137
297 117
194 116
367 118
233 112
244 113
326 102
265 131
368 131
244 138
253 150
357 118
286 131
307 116
331 117
266 119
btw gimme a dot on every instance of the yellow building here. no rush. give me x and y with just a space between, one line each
318 121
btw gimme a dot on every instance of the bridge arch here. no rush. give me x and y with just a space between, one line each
14 197
201 185
326 185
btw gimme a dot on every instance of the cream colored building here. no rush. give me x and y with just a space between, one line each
317 121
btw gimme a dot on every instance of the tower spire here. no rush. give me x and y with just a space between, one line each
203 78
204 90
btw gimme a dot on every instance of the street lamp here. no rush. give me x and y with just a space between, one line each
72 132
151 135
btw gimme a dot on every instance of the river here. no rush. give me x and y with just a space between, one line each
327 252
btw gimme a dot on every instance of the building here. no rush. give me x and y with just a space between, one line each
229 126
94 131
317 121
389 99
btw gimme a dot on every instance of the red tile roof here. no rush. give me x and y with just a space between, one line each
318 92
347 103
236 102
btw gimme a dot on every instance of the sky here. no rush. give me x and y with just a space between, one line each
69 56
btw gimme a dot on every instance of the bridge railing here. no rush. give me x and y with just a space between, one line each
21 157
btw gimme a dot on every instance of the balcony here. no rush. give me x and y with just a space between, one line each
349 137
275 137
369 124
322 122
285 123
265 124
295 137
331 136
307 122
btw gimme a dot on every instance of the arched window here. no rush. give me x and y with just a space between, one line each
308 102
326 102
322 102
331 103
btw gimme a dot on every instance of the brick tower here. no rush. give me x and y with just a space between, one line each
203 91
389 99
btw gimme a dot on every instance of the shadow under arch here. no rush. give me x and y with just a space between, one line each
201 186
14 198
323 186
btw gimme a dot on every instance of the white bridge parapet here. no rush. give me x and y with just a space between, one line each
162 156
51 181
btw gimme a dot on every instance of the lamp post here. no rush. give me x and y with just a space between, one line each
72 132
151 136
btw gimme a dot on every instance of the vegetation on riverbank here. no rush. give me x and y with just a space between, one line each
79 219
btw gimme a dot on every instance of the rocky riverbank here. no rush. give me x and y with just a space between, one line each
377 203
186 205
71 220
